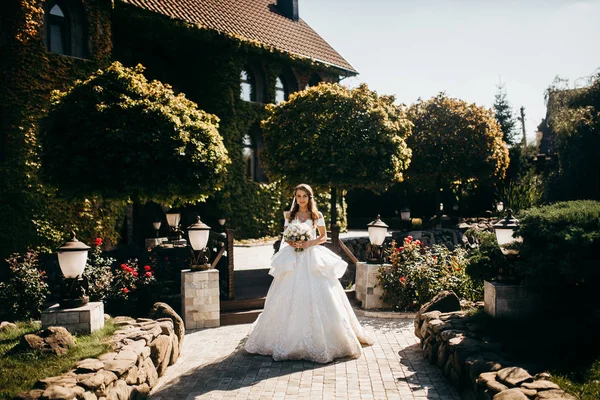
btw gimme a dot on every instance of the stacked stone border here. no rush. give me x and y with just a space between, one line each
474 364
143 349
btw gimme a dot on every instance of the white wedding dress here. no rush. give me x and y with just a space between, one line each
307 315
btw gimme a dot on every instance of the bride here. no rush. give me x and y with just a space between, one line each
307 314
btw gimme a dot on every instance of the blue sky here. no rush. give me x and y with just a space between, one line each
418 48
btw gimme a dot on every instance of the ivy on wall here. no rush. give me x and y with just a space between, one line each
206 66
31 214
203 64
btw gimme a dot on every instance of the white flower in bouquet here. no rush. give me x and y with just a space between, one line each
297 232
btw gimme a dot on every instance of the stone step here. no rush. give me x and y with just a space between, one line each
239 317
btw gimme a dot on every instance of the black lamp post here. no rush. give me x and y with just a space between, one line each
72 258
198 233
504 230
377 233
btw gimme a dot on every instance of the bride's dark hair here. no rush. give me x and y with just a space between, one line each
312 205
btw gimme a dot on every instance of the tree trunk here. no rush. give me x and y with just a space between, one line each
129 223
333 206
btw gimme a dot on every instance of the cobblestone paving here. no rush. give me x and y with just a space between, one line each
214 365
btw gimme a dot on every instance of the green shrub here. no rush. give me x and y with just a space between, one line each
98 271
485 258
24 293
418 273
560 244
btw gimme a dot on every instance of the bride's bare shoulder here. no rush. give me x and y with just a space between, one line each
287 214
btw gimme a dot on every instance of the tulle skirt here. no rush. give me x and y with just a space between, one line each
307 314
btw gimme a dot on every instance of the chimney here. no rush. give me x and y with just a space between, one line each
289 8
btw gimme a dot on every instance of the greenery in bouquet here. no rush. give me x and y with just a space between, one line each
98 272
417 273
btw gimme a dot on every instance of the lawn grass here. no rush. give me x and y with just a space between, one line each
20 370
585 386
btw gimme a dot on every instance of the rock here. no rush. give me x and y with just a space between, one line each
31 395
55 392
445 301
510 394
98 381
61 380
88 395
540 385
528 392
119 367
131 376
89 365
150 370
54 339
167 327
542 376
421 319
554 394
163 310
513 376
120 391
137 347
5 326
175 352
488 379
160 353
140 392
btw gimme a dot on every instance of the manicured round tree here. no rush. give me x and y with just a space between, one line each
119 136
454 142
332 136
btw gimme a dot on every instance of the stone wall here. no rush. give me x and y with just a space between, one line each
143 349
476 365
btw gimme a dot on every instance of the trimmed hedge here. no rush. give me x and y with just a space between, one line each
561 244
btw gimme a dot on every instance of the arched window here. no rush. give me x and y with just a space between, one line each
65 28
281 93
248 86
58 31
249 155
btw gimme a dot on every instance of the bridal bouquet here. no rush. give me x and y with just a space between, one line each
297 232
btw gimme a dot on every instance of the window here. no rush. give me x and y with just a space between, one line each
280 91
58 31
65 28
249 156
248 86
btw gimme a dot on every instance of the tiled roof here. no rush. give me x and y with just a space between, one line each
258 20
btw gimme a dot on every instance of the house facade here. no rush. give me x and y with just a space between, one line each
231 57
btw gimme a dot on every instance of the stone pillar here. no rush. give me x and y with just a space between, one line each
506 300
368 289
85 319
200 299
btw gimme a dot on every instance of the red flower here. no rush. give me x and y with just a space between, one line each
98 242
166 258
125 290
434 258
149 274
408 239
417 242
400 248
402 279
124 266
147 268
135 273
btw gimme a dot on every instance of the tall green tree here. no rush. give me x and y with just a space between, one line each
505 117
574 118
334 137
120 136
454 143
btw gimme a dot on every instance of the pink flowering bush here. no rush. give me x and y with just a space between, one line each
417 273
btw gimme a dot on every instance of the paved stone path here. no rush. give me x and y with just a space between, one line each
214 365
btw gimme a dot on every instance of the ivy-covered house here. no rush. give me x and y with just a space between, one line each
231 57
